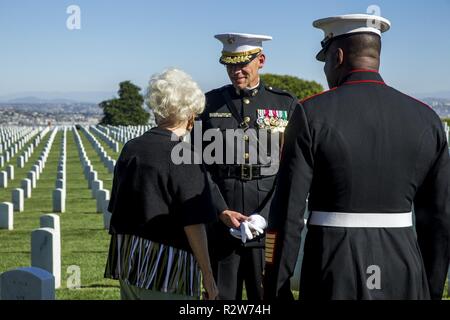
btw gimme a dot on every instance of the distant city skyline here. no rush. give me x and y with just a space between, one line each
131 40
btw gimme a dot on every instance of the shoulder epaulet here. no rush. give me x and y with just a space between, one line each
279 91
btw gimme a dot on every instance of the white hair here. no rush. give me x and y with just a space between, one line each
173 95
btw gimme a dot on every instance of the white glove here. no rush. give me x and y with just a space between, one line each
250 229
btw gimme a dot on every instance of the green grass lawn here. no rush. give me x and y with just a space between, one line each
84 241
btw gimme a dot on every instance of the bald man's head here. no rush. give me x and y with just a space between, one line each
358 47
356 51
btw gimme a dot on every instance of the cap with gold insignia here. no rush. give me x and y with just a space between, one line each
240 48
345 25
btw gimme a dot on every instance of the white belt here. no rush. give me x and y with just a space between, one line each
361 220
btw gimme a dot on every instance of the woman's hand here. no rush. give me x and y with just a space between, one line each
212 293
232 219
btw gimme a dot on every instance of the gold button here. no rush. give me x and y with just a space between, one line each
247 119
246 137
246 156
246 100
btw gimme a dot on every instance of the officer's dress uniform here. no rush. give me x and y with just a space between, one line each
243 187
366 154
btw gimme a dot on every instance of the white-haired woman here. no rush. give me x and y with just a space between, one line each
159 209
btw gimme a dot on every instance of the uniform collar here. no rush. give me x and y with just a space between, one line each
250 92
362 76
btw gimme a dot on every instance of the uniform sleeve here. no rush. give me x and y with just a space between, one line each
288 205
192 194
432 210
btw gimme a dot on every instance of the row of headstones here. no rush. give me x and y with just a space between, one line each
94 184
125 133
18 195
113 144
7 131
8 174
24 157
59 193
8 138
7 141
108 162
26 154
39 281
11 150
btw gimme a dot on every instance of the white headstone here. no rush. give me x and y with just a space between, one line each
60 184
96 185
59 200
3 179
91 177
41 165
6 216
26 186
21 161
87 170
36 170
10 171
2 161
46 252
61 175
111 164
32 176
51 221
27 284
18 199
106 215
102 196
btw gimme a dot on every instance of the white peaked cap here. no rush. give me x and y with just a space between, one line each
348 24
240 48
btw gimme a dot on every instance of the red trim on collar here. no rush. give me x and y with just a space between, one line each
363 70
317 94
364 81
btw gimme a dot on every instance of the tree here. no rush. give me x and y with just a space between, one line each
299 87
126 110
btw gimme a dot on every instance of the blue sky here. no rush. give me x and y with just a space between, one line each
130 40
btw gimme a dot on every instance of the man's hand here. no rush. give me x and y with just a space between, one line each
232 219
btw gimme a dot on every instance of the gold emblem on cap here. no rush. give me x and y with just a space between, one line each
238 57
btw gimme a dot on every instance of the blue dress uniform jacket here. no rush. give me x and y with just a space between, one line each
362 147
242 188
